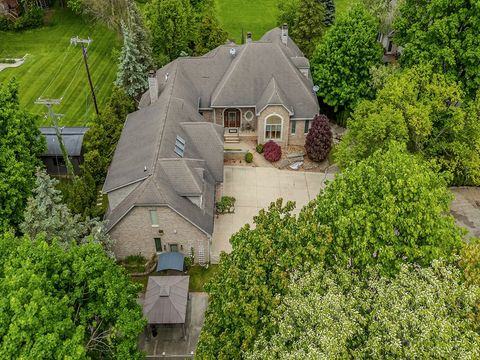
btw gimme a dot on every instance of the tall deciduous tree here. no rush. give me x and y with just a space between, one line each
132 71
338 314
209 33
20 145
244 292
341 62
47 215
447 35
170 25
388 209
57 303
307 20
426 111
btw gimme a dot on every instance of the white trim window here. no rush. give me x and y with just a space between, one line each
273 127
248 115
153 217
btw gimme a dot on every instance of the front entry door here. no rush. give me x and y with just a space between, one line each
232 119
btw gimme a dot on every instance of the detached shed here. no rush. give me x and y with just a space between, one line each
53 157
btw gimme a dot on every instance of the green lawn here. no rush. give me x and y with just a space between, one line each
200 275
52 58
257 16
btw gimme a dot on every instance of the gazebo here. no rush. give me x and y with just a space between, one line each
166 300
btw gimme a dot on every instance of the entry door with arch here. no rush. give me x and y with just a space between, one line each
231 118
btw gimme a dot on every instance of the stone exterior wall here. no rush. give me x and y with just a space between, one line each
218 116
207 115
271 110
134 234
244 123
299 137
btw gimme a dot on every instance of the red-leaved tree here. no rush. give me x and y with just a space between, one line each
319 139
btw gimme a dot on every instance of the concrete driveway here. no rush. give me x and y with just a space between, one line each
255 188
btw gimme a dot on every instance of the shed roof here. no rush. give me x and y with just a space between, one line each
170 261
166 299
72 139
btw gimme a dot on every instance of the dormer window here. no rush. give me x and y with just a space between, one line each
179 146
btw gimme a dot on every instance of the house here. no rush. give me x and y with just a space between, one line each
169 159
53 157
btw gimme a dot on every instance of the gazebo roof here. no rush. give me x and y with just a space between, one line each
170 261
166 299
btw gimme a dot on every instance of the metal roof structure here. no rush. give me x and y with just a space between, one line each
166 299
72 139
170 261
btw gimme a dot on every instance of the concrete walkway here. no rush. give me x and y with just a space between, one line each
466 209
255 188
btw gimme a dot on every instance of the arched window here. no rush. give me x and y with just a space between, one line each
273 127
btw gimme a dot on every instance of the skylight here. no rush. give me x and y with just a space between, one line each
179 146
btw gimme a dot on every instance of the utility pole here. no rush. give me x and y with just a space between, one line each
76 40
52 114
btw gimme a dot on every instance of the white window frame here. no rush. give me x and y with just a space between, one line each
293 127
152 222
250 117
265 127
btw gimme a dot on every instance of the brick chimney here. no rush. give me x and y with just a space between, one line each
284 35
249 37
153 85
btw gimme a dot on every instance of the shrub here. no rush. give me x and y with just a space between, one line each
248 157
319 139
5 23
225 205
272 151
259 148
31 19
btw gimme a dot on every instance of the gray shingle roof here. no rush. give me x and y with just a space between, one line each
251 71
72 139
273 95
166 299
260 73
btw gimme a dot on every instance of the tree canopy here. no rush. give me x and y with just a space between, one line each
169 22
57 303
307 21
47 215
389 209
132 72
338 314
446 35
426 111
342 60
20 145
243 293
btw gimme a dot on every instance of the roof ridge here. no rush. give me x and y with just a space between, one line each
227 74
295 69
160 139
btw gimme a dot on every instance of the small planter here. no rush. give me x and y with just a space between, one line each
226 205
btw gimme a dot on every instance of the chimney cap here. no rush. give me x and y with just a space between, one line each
249 34
152 73
285 25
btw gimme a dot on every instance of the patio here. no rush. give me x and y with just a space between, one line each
255 188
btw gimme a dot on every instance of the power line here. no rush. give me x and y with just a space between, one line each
76 40
78 65
58 71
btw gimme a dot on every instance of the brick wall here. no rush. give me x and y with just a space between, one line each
208 115
299 137
134 234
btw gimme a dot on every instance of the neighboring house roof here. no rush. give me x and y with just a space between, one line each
72 139
148 153
166 299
